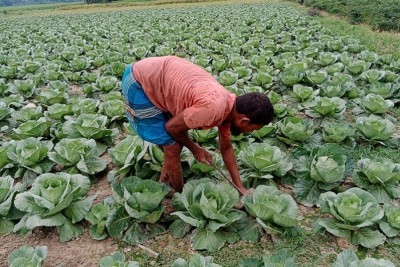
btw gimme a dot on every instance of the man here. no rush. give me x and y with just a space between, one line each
167 96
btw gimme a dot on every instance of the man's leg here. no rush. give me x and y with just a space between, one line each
172 170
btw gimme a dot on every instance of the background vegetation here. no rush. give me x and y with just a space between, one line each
380 14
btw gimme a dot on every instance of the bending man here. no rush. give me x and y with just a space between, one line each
167 96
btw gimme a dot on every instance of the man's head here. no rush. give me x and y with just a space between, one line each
251 112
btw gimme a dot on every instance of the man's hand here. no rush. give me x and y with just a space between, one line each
203 156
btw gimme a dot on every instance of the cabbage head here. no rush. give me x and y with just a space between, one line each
380 177
336 132
8 213
348 258
390 226
55 199
353 211
194 261
295 129
79 154
27 256
272 208
29 158
263 160
318 170
210 208
375 128
117 259
137 210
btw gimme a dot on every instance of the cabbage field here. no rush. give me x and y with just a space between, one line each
326 169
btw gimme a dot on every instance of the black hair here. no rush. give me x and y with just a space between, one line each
255 106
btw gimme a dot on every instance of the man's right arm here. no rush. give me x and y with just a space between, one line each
178 130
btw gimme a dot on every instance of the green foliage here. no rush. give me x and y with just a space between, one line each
8 212
79 154
355 211
138 210
117 259
273 209
195 261
380 15
208 207
27 256
318 170
281 258
349 258
379 177
55 200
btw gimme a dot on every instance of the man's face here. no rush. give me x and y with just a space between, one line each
238 129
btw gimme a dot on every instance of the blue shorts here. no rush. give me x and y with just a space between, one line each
148 121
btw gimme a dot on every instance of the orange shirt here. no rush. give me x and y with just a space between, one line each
176 85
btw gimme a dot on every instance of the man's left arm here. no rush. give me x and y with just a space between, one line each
228 156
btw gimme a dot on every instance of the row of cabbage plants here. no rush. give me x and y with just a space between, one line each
36 256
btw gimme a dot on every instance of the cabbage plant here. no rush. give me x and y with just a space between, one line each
106 83
301 93
357 66
27 256
385 90
279 258
28 113
84 106
139 208
125 154
28 158
55 199
294 129
79 155
263 161
97 217
210 208
354 212
374 128
8 212
273 210
327 106
390 225
373 75
380 177
50 96
319 169
58 111
336 132
227 78
376 104
32 128
117 259
91 126
113 109
315 77
26 88
347 258
196 260
5 111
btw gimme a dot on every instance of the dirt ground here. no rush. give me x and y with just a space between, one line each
82 251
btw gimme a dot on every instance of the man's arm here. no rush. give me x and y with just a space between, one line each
228 155
178 130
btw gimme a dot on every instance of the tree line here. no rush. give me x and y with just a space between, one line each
32 2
